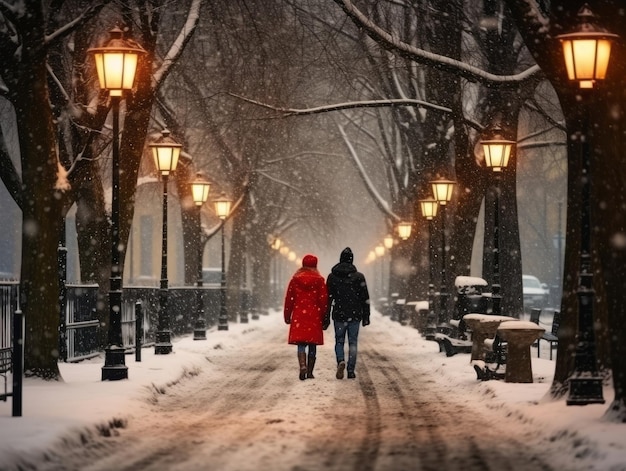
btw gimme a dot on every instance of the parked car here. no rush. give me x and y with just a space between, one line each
536 294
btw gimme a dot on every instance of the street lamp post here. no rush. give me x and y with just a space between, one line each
380 251
497 152
442 192
429 208
165 151
388 243
276 245
116 64
200 193
586 52
222 210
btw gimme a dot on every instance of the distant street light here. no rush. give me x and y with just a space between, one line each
586 51
404 230
200 193
222 210
165 151
497 152
388 241
429 208
116 64
442 192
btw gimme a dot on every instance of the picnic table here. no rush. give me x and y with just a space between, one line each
483 326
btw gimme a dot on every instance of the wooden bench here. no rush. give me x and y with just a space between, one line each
550 337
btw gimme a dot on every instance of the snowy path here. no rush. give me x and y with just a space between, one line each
247 410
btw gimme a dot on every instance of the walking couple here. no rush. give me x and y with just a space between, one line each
309 303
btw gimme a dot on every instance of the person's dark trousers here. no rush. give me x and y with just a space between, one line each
351 330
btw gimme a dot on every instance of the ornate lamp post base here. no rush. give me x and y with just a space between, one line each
585 390
199 331
114 364
163 345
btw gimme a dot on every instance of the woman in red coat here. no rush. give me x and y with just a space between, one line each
305 307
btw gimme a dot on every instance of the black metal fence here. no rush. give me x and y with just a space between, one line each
79 327
8 305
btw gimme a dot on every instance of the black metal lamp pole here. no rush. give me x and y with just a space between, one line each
586 384
200 188
222 319
165 152
497 152
222 209
163 344
114 355
442 191
116 63
496 296
199 331
429 208
585 66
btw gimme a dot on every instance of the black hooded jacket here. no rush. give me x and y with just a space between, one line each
347 291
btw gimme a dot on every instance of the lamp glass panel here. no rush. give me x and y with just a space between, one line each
165 158
222 208
429 208
442 191
404 230
130 68
200 192
116 69
497 155
584 51
602 58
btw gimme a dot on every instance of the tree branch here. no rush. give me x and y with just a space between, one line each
178 46
68 28
446 64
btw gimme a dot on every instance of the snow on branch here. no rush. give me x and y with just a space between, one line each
9 11
345 106
178 46
68 28
380 202
467 71
287 112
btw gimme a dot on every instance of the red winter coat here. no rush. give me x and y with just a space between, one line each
305 306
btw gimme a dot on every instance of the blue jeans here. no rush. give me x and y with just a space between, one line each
352 329
312 348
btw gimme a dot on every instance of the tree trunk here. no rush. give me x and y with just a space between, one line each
41 216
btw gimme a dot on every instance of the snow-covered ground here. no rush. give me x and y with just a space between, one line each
62 411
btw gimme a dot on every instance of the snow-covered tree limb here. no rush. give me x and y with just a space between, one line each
380 202
467 71
178 46
68 28
345 106
286 112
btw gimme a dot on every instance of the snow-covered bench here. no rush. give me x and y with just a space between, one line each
494 364
451 345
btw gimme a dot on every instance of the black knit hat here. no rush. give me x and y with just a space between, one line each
346 256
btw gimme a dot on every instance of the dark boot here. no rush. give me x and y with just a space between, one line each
302 362
340 367
309 367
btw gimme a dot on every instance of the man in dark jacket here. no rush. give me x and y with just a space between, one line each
349 302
